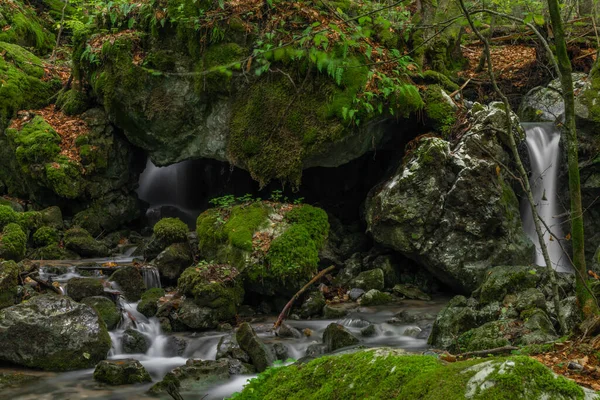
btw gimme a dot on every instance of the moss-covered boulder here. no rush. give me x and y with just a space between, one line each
135 342
171 230
121 372
13 243
45 236
52 217
275 246
172 261
367 280
195 376
217 287
62 335
81 242
260 355
312 305
462 187
80 288
130 282
53 252
336 336
111 211
387 373
25 27
9 280
106 309
149 303
440 110
375 297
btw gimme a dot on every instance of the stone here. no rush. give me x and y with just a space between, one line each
332 312
288 331
312 305
280 351
248 341
412 331
336 336
81 242
449 210
134 342
410 292
9 281
172 261
369 331
355 293
121 372
352 267
195 376
315 350
106 309
148 305
175 346
62 335
229 348
130 282
539 328
375 298
196 317
391 271
52 217
80 288
367 280
530 298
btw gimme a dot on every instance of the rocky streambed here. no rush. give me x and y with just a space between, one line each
221 360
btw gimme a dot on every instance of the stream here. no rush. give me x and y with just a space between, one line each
159 359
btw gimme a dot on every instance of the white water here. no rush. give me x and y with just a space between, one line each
543 144
151 277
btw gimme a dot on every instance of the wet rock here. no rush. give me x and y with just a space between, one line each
134 342
355 293
130 282
331 312
80 288
375 298
237 367
52 217
229 348
148 306
391 275
196 317
172 261
457 317
530 298
449 210
61 334
410 292
411 316
280 351
175 346
288 331
315 350
336 337
313 304
259 354
412 331
194 376
81 242
121 372
368 280
352 268
106 309
369 331
12 380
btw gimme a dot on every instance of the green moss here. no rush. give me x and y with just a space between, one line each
36 143
13 242
53 252
64 178
9 279
106 310
440 114
171 230
433 77
368 375
81 242
23 27
214 70
45 236
292 256
243 222
30 220
313 219
149 303
7 216
487 336
72 102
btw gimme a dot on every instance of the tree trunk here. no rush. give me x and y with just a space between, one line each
586 303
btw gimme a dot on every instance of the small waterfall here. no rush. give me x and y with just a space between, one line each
151 277
543 144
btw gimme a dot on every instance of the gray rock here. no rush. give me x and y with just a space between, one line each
80 288
130 282
391 272
355 293
413 331
194 376
449 210
134 342
172 261
367 280
280 351
313 304
332 312
196 317
530 298
315 350
336 336
259 354
410 292
288 331
52 333
121 372
369 331
375 298
175 346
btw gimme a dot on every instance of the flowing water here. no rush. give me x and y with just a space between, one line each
543 144
161 356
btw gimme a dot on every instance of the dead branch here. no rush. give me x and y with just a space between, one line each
483 353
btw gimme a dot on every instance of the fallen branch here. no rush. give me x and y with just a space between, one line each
47 285
483 353
295 297
460 88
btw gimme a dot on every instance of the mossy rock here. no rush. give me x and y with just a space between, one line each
172 261
9 280
171 230
149 303
336 337
504 280
121 372
388 373
80 288
439 109
109 212
45 236
217 287
52 217
7 216
130 282
81 242
24 27
106 309
53 252
488 336
72 102
13 243
375 298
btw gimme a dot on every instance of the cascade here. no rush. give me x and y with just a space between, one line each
543 145
151 277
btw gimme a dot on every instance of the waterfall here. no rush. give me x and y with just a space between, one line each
151 277
543 144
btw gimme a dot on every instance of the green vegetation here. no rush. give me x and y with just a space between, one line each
22 26
171 230
367 374
9 279
45 236
13 242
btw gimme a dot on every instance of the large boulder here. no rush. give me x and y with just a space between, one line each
134 342
193 377
453 210
172 261
106 309
80 288
260 355
149 303
336 336
130 281
274 246
53 333
386 373
81 242
121 372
